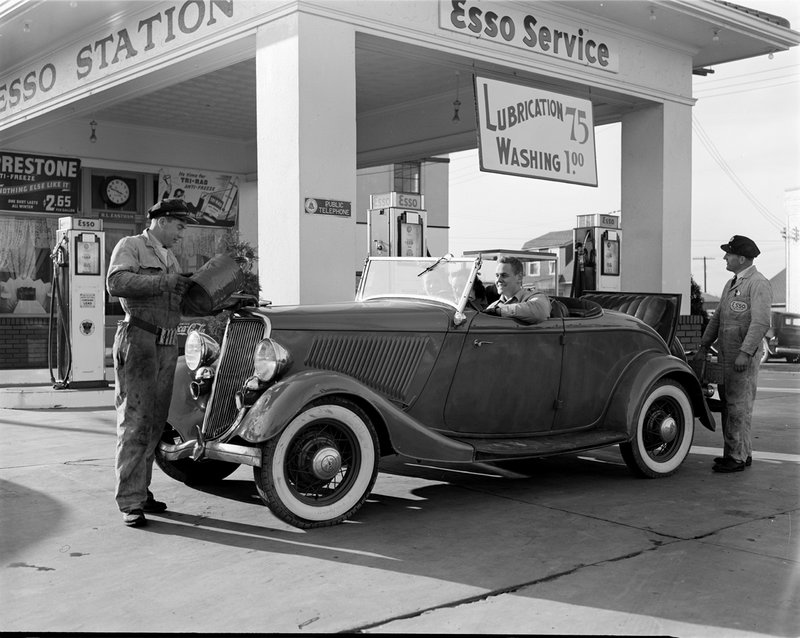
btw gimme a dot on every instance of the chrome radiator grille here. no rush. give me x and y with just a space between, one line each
384 363
235 366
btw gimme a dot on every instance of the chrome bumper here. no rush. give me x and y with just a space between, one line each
199 450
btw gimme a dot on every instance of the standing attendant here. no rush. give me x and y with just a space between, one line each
738 326
145 274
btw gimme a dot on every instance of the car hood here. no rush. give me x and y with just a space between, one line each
369 316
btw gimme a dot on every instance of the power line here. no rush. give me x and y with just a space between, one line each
755 88
716 80
717 156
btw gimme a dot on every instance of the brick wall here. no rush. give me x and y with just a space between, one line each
23 342
690 329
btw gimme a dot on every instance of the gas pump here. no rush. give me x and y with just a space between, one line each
78 304
596 239
397 225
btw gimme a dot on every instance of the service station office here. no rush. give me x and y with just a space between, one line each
283 120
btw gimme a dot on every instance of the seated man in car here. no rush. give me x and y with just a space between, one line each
515 301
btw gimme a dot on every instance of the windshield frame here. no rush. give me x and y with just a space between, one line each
426 265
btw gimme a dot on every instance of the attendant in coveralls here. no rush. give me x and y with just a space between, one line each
145 274
738 326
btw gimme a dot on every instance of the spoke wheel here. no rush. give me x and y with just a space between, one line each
321 468
663 434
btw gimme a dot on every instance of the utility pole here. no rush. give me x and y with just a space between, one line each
705 261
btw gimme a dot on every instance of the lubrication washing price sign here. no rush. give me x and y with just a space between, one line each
533 133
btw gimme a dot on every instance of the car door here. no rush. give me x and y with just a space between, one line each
507 377
596 352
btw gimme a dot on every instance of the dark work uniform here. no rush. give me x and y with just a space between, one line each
739 324
143 369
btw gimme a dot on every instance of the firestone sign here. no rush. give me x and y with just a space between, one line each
140 38
39 183
530 32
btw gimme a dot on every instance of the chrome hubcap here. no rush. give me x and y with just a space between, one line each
326 463
668 429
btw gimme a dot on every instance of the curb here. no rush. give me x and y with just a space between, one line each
32 389
43 398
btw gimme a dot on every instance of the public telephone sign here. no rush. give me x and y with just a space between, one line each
532 133
39 183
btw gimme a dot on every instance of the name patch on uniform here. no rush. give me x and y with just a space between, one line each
738 306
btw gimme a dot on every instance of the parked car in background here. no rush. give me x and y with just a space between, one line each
783 337
313 396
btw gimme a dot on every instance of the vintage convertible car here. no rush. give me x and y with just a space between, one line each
313 396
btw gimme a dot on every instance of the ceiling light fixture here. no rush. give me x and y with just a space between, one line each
716 35
93 136
652 14
456 103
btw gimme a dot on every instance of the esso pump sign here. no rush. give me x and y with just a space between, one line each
404 200
394 199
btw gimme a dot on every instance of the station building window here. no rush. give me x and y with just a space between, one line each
25 266
407 177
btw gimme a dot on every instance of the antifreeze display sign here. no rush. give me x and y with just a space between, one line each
532 133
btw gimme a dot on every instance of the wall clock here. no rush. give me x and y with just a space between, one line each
116 191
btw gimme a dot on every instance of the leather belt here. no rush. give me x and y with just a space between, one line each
164 336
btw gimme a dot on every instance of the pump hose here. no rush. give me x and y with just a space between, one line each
57 299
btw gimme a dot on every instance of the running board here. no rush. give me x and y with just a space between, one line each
530 447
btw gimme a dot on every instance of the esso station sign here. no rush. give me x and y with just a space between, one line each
414 201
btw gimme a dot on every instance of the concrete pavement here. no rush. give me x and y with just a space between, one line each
572 545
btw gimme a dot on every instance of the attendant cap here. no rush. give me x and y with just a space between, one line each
741 245
171 208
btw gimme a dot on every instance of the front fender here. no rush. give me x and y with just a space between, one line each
274 409
640 376
184 412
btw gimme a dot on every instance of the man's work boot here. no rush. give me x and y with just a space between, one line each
719 459
729 465
153 506
134 518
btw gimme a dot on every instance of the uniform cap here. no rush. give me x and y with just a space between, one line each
741 245
170 208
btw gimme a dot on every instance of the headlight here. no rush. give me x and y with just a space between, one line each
270 359
200 350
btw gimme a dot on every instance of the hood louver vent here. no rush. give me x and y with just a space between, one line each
384 363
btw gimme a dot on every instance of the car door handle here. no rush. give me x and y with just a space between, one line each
478 343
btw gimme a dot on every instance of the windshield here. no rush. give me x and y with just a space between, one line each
446 279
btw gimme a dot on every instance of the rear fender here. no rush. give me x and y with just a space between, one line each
646 370
274 409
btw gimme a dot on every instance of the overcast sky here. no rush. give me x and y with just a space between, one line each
744 158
